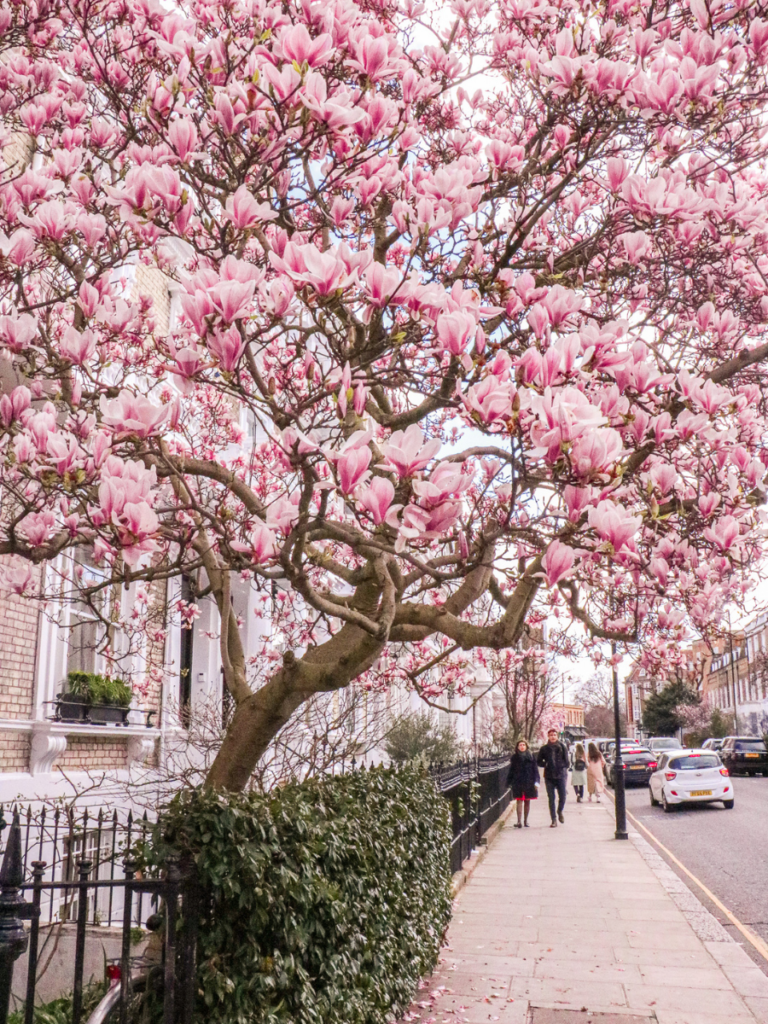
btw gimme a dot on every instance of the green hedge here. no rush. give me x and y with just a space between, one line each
327 901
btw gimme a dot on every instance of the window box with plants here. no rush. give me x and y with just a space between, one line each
89 697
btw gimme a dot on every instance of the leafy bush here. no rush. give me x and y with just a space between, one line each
326 901
59 1011
416 735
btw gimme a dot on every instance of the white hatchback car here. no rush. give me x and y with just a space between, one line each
690 777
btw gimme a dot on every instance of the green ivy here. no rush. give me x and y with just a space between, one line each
326 901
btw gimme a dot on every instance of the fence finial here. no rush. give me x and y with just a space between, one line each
12 870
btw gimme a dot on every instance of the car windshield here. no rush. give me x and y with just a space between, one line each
750 745
665 744
697 761
635 756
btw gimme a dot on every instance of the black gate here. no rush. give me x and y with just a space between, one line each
166 905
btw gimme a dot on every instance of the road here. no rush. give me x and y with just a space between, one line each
726 850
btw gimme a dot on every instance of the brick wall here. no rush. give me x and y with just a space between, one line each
98 753
14 752
152 282
18 645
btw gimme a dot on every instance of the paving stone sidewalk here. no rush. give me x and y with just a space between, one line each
568 926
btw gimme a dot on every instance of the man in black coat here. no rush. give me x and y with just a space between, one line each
553 758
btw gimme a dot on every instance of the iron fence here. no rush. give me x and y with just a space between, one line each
478 794
62 837
89 885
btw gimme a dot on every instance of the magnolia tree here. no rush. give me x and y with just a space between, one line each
489 280
529 686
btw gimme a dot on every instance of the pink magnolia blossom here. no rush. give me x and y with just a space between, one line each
283 514
232 299
352 467
613 524
37 527
558 562
13 405
79 346
636 245
454 331
135 529
261 546
406 453
377 497
245 212
489 400
130 414
227 346
17 576
298 45
724 534
18 332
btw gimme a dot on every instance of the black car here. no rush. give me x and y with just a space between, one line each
639 765
744 755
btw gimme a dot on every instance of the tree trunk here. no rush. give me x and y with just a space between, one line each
255 723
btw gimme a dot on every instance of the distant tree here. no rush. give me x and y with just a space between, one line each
721 724
662 715
529 686
598 721
416 734
596 696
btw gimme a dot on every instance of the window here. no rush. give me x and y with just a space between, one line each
694 762
94 846
86 630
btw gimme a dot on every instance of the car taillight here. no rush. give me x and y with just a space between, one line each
724 771
652 764
670 775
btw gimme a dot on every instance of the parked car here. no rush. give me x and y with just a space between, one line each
712 744
639 765
658 744
626 744
744 755
690 777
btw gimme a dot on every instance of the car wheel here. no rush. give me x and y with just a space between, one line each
728 805
654 801
668 808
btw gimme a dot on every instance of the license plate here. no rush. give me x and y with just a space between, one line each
637 767
701 792
752 755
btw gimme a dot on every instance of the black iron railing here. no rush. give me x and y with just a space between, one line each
169 902
62 837
478 794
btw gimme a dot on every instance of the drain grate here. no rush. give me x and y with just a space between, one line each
542 1015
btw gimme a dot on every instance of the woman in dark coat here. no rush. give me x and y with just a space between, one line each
523 780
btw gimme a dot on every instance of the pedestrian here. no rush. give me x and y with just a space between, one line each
523 780
579 773
595 772
553 758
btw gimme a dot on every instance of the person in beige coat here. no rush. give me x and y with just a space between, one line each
595 772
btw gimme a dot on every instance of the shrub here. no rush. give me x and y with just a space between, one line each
415 735
326 901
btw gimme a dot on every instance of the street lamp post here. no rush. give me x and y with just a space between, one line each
618 762
734 675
